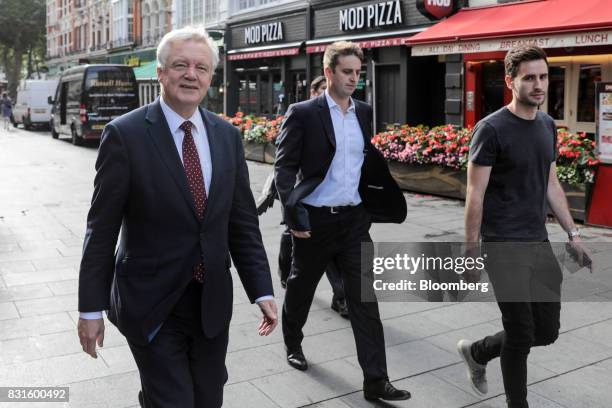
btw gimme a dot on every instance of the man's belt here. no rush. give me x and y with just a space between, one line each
337 209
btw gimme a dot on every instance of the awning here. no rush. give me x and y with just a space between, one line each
365 41
146 72
280 50
546 23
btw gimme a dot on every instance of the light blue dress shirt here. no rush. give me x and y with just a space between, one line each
341 183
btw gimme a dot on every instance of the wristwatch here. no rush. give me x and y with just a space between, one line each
573 233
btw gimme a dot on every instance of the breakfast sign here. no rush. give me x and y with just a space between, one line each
583 39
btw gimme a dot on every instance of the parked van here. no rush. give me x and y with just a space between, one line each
31 107
90 96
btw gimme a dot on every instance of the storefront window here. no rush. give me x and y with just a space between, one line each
247 95
277 90
556 92
589 74
360 91
243 96
493 85
264 89
214 99
252 104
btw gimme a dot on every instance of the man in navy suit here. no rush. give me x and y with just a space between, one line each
173 183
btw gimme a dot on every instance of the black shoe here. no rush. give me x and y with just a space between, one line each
383 390
296 359
339 305
140 399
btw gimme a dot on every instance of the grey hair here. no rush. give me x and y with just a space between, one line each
190 33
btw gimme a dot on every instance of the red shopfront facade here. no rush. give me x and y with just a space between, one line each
577 37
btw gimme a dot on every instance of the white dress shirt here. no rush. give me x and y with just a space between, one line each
200 138
341 183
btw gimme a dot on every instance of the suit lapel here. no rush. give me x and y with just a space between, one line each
215 156
162 138
326 119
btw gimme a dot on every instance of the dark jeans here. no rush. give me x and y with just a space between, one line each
518 273
284 266
336 237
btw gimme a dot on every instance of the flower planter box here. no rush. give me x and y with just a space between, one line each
269 153
430 179
445 182
576 199
254 151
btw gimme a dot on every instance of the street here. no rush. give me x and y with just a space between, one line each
45 190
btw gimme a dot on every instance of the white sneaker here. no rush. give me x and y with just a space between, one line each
476 373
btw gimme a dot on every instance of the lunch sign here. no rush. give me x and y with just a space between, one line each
583 39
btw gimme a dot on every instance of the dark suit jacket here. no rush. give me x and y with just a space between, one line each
141 188
307 145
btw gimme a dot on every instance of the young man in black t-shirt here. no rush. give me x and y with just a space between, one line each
511 177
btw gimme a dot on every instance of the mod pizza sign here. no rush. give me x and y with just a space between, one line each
584 39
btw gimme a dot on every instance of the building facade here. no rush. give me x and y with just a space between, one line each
400 88
77 30
266 68
579 47
274 50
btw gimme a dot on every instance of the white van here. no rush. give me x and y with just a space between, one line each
32 107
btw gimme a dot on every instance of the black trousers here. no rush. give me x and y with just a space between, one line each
284 266
180 367
519 272
336 237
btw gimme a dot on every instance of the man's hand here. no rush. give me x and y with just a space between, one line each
300 234
270 317
90 333
472 250
579 251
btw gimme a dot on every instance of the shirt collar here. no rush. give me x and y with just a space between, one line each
175 120
332 104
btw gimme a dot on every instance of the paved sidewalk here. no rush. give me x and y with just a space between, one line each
45 189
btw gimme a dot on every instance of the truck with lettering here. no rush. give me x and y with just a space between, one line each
90 96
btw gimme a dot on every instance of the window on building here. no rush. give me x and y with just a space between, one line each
556 92
155 20
130 22
197 11
185 12
146 24
211 10
589 74
245 4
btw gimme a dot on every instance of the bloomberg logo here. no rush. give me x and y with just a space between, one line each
436 9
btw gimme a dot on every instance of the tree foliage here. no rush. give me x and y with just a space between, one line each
22 32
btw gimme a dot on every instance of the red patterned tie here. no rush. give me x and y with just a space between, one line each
193 170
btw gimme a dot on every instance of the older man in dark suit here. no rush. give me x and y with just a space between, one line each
173 179
343 185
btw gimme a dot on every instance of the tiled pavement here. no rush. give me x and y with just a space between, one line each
45 188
